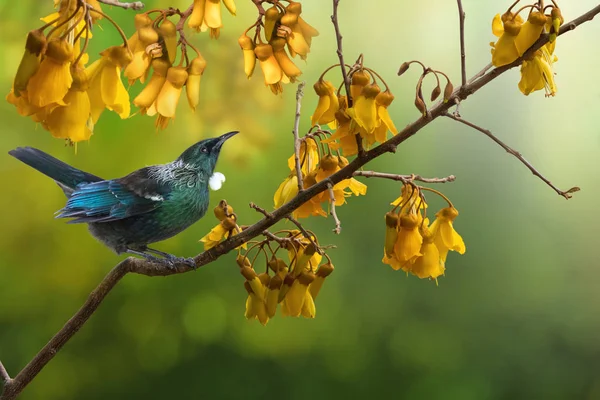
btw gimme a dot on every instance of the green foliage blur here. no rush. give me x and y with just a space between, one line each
515 317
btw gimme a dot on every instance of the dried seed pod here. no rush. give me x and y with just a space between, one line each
435 93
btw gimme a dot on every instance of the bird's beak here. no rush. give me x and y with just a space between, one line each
228 135
223 138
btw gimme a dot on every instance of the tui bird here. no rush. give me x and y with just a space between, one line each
148 205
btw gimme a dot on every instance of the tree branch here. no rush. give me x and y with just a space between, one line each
403 178
340 54
338 225
134 5
299 94
510 150
463 58
144 267
4 374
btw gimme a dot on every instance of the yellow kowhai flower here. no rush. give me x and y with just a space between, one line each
537 74
309 157
141 60
328 166
168 97
21 102
530 31
248 46
270 67
323 272
206 15
289 69
299 40
255 306
445 237
30 62
313 205
218 233
192 86
72 121
328 103
53 78
297 296
168 31
106 88
429 264
286 191
383 101
506 28
345 133
148 95
408 244
364 109
359 80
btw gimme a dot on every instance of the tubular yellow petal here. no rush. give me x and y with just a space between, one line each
169 34
307 31
230 5
308 306
497 26
212 14
287 65
286 191
247 46
168 98
272 15
110 83
150 92
197 17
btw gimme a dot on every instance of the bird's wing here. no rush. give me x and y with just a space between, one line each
112 200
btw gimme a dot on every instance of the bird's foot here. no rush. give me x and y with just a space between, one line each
166 259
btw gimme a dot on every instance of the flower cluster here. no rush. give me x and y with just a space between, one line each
315 168
294 284
516 36
51 85
227 226
155 48
411 243
364 111
206 15
283 28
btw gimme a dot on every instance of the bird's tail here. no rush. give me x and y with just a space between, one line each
65 175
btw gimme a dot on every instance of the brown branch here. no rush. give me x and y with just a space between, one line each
134 5
463 57
338 225
144 267
510 150
304 232
481 73
299 94
4 374
403 178
340 54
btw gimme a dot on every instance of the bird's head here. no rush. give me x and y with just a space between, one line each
204 154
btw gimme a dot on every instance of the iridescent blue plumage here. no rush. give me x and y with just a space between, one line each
146 206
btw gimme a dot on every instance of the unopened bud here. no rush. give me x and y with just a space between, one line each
448 90
403 68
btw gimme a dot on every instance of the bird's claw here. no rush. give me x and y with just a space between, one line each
181 260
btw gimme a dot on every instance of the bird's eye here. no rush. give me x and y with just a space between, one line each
204 150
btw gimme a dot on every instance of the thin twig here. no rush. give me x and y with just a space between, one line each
299 94
340 54
304 232
144 267
510 150
480 73
338 225
261 210
403 178
134 5
4 374
463 58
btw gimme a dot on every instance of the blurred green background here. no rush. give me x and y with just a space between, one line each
515 317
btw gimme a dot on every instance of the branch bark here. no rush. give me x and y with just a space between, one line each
14 387
299 95
566 194
340 54
134 5
463 57
403 178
